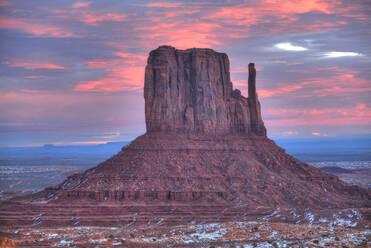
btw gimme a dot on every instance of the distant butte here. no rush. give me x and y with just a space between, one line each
204 158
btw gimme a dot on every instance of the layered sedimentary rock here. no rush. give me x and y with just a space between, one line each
190 91
205 157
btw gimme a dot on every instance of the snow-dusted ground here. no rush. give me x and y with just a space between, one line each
344 164
239 234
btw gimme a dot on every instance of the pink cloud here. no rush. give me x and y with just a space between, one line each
299 6
280 16
358 115
132 58
95 64
165 5
105 85
180 35
171 14
80 5
35 29
93 19
240 70
90 142
4 3
336 83
8 95
236 15
32 65
35 77
319 134
123 74
283 90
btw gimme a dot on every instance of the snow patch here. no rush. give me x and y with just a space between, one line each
309 217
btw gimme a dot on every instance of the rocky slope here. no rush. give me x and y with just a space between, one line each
205 157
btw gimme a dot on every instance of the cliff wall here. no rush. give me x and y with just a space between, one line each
191 91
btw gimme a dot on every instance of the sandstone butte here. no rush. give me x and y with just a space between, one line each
204 158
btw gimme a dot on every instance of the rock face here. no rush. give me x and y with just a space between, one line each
257 125
205 157
190 91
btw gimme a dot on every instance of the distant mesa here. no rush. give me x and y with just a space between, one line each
48 145
204 158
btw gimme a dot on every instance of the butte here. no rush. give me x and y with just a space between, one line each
204 158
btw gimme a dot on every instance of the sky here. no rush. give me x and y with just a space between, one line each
72 72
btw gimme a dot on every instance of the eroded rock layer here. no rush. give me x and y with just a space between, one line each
205 157
190 91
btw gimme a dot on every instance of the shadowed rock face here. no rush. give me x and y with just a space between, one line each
205 157
190 91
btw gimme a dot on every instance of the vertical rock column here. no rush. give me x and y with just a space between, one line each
190 91
256 122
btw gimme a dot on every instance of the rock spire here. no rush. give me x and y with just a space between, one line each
257 124
191 91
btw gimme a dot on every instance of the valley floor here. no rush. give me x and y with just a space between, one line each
232 234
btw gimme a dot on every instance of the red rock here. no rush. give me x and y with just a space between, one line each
205 157
7 243
190 91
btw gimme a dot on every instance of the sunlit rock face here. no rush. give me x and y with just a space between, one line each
190 91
